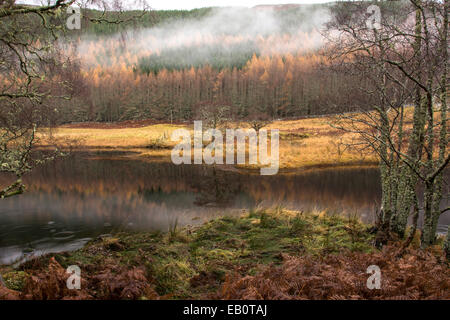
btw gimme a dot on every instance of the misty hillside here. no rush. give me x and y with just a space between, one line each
291 13
259 62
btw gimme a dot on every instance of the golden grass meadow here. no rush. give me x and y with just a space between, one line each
304 143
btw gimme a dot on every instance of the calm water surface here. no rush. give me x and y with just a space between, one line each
76 199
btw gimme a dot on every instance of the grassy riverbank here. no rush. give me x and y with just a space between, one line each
230 257
303 143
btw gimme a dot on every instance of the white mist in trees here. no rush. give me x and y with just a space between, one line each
230 30
170 71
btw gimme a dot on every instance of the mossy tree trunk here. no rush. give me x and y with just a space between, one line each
403 63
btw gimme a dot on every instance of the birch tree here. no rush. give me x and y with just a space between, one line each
405 61
34 74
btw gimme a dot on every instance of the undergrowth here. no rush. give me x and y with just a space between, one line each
193 263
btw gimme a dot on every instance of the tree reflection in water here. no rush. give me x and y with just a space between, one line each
78 198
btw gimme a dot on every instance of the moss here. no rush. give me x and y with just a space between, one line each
15 280
190 263
172 274
113 244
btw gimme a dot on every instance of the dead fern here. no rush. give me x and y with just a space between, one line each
417 275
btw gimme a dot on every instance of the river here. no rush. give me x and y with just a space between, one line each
75 199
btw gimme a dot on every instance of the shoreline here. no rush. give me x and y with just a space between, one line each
304 143
140 154
207 261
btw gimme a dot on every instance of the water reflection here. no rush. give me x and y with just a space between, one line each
76 199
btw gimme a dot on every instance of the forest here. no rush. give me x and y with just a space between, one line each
278 72
95 97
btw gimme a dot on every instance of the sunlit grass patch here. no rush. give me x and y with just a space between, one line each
116 138
303 143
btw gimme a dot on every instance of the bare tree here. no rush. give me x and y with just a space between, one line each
34 73
214 115
258 120
405 61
